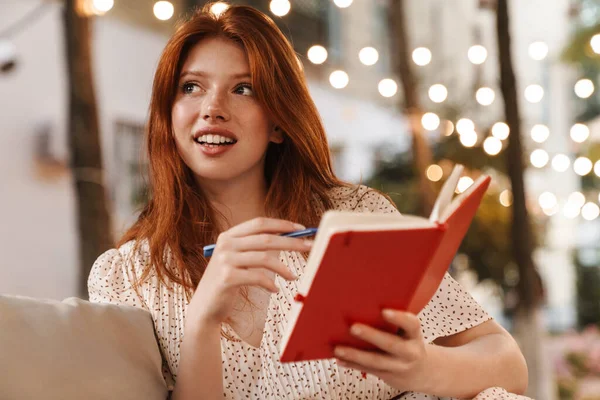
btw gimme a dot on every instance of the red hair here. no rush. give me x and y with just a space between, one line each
178 220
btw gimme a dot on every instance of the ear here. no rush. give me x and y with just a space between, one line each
276 135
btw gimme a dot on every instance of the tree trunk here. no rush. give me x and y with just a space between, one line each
529 288
93 221
401 53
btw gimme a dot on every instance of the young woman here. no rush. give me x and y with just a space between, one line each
238 155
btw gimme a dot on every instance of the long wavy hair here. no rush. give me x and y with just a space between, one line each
178 220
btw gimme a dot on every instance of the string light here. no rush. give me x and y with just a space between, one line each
492 145
477 54
421 56
539 158
219 8
597 170
434 172
317 54
579 133
163 10
465 125
438 93
582 166
538 50
387 87
595 43
280 8
468 139
539 133
534 93
430 121
550 211
584 88
368 56
342 3
449 128
506 198
463 184
100 7
590 211
485 96
500 130
547 200
339 79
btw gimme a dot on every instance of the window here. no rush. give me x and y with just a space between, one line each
129 176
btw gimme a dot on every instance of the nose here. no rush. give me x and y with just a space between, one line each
215 108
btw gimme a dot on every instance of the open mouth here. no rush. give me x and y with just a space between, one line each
215 140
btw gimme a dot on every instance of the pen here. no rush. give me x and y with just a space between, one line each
208 250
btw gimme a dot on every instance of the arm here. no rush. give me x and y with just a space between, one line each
200 372
471 361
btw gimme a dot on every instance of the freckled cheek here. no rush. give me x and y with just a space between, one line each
183 116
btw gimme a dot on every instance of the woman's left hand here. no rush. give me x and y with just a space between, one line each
403 360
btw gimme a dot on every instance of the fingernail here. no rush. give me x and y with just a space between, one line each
299 227
339 352
389 313
356 330
308 242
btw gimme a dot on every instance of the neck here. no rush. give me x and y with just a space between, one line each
236 202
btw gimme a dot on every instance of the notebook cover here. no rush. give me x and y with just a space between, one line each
362 273
457 225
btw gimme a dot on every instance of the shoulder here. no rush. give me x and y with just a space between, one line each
133 256
114 274
361 198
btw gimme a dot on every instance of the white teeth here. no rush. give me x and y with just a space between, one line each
216 139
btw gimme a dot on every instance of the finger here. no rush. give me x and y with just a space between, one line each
387 342
261 259
367 359
408 322
263 225
267 241
248 277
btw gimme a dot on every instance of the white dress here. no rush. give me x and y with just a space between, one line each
256 373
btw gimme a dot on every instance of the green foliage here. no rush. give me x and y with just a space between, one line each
578 50
588 293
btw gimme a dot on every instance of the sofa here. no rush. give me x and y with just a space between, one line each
74 349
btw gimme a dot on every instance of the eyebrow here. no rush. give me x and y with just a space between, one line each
202 74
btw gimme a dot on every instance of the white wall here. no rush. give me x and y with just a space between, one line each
37 234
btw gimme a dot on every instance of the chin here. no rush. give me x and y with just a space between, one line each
203 175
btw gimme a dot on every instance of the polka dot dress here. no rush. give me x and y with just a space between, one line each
255 372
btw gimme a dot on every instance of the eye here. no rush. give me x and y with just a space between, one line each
189 87
244 89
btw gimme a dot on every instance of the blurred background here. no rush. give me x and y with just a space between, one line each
405 88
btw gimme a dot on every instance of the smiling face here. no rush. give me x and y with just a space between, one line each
221 131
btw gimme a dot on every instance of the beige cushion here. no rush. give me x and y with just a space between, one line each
77 350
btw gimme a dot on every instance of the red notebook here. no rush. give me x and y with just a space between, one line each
362 263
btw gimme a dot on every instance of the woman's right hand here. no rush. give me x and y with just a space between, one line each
239 256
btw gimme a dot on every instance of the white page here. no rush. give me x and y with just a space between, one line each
445 197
